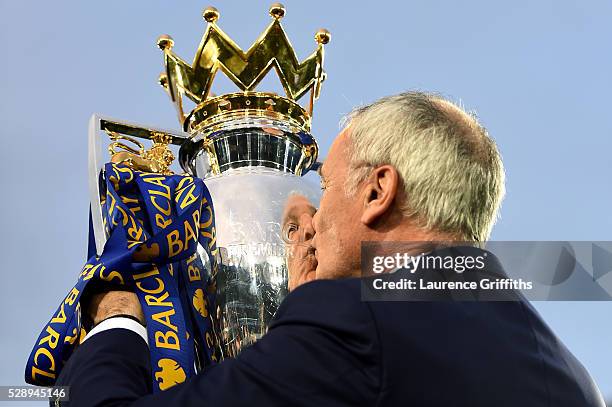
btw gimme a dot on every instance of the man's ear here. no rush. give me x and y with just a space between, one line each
379 193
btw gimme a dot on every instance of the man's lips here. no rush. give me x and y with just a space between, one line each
313 261
313 251
311 256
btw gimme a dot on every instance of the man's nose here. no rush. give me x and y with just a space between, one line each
314 227
307 228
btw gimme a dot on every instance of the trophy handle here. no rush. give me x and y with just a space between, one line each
156 159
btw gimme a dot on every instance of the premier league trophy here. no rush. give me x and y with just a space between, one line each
202 248
251 148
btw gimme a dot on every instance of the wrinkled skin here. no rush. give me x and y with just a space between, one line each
298 233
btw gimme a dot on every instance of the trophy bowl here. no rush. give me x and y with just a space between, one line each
257 160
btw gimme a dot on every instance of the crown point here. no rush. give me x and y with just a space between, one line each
277 10
165 42
163 80
210 14
322 36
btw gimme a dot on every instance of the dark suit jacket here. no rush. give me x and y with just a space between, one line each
327 347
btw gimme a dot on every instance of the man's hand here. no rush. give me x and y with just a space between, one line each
298 233
110 303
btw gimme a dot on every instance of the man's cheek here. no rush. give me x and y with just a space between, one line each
298 252
322 223
324 247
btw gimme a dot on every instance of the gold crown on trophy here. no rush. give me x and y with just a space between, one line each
217 51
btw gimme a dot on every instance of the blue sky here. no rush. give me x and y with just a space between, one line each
537 73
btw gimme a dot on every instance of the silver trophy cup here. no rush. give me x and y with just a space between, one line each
252 150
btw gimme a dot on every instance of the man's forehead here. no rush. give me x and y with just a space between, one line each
336 151
297 205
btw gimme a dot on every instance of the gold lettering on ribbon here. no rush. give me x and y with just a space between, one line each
124 216
72 296
135 232
112 203
189 233
127 200
160 220
157 296
209 219
168 340
163 318
89 270
206 229
159 181
158 301
193 271
125 170
52 339
37 371
165 211
47 353
114 179
175 244
181 185
71 338
111 276
60 318
159 289
189 198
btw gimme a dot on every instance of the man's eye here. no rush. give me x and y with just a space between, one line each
289 232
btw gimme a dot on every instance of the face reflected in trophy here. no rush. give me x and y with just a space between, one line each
252 149
298 232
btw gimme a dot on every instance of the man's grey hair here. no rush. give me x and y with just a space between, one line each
451 171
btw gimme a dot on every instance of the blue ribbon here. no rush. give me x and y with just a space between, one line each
155 224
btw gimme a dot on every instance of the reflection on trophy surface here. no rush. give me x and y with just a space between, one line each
251 148
252 277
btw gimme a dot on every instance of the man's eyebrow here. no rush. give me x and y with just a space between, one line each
291 215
